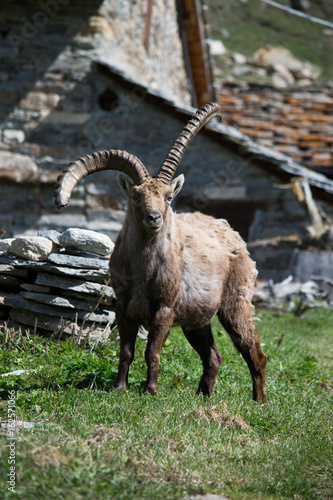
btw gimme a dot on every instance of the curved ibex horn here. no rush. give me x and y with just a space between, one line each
202 116
95 162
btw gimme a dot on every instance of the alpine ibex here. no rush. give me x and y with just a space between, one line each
174 269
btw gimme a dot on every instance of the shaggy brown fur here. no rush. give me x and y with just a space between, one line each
190 269
174 269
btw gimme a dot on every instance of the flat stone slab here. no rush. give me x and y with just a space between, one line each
59 301
21 303
7 269
6 258
52 324
36 288
78 261
89 274
75 285
98 274
8 282
86 240
89 300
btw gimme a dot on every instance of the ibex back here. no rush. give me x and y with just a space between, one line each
175 269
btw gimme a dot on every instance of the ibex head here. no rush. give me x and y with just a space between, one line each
151 200
149 197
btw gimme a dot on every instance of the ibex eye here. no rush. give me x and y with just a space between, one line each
169 199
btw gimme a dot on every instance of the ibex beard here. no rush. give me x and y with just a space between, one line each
181 269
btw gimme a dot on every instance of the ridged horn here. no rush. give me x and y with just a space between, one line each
95 162
202 116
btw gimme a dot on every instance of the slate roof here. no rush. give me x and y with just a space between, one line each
244 145
294 121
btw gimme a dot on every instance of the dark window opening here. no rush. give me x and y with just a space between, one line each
108 100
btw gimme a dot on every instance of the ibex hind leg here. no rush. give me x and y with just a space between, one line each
238 322
202 340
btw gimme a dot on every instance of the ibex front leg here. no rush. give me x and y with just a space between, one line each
128 331
158 333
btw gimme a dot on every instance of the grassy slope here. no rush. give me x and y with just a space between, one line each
132 445
253 25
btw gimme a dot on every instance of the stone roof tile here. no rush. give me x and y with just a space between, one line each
294 121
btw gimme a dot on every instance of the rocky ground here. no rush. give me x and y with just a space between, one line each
272 65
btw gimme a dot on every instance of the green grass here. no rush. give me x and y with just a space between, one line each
96 443
253 25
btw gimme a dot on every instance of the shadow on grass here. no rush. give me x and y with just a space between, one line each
93 381
90 381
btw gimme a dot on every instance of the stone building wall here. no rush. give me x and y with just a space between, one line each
35 34
48 86
159 63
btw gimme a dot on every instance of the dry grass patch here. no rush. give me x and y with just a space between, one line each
48 454
220 414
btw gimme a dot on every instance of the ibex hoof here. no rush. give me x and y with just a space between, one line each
119 387
152 389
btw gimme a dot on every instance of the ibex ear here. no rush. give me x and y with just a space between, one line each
124 184
177 184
